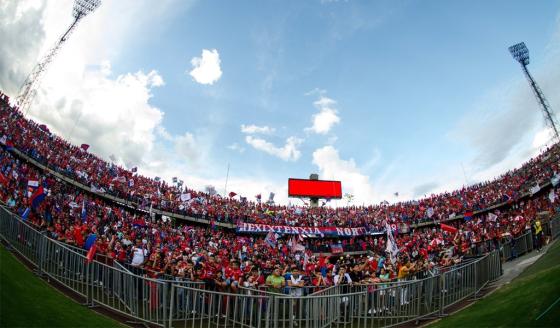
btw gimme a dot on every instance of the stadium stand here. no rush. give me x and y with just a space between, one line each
104 212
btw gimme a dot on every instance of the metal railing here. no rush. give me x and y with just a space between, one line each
515 247
172 302
552 227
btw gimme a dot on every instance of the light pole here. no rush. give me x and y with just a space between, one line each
31 84
521 54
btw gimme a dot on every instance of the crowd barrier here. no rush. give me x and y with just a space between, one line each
170 302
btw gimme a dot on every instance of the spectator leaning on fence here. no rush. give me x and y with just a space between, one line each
275 281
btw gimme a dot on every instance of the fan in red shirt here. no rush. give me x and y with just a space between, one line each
233 275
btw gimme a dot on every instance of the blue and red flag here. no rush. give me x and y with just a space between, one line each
336 249
9 145
37 197
468 215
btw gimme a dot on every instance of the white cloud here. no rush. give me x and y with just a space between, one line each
289 152
252 129
188 147
327 116
236 147
79 98
332 167
106 113
206 69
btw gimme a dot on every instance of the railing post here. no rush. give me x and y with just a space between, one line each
171 305
41 243
475 269
165 296
441 282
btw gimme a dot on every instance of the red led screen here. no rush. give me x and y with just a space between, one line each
314 188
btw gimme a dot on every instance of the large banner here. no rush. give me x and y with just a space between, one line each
317 231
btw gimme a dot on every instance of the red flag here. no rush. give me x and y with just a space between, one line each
232 194
91 253
84 147
448 228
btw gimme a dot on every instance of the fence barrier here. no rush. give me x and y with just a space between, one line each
171 302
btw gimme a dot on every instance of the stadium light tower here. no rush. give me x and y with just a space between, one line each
31 84
521 54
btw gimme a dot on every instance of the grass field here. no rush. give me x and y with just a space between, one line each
27 301
520 303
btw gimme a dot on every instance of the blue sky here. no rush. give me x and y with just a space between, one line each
425 94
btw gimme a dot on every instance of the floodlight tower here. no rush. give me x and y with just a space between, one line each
521 54
29 88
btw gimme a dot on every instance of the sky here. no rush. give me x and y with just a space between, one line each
407 97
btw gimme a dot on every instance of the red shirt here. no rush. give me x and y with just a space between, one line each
236 274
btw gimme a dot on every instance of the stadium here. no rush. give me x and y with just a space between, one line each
93 236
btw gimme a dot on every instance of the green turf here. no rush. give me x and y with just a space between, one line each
519 303
27 301
551 259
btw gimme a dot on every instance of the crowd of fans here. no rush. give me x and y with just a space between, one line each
38 142
222 258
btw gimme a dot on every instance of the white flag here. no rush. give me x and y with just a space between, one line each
392 247
185 197
492 217
535 189
430 212
552 196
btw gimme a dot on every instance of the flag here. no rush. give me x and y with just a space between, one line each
44 128
258 197
552 196
448 228
392 247
84 211
296 246
232 194
84 147
25 214
305 259
97 190
185 197
535 189
271 197
396 194
468 215
492 217
91 253
271 239
9 145
430 212
33 183
37 197
336 249
175 180
134 169
555 180
90 241
157 178
131 183
3 139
